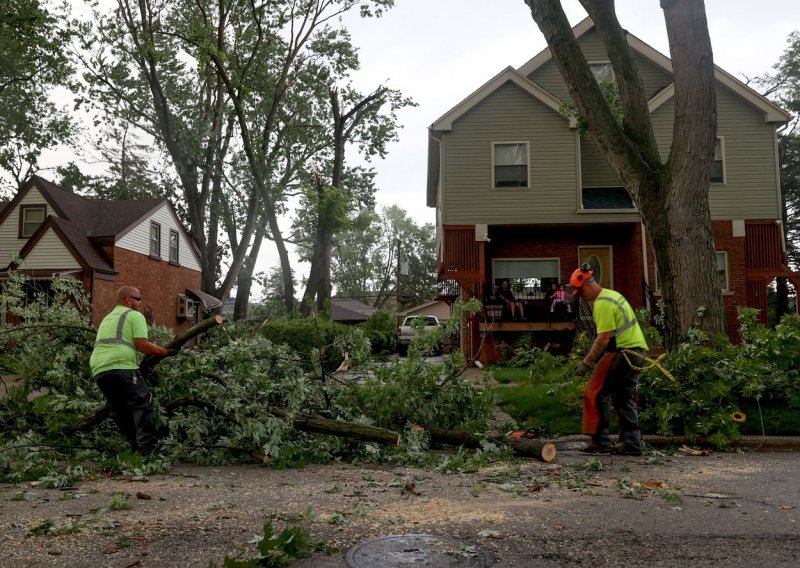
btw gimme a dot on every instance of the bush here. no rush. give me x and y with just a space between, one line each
716 380
305 336
381 330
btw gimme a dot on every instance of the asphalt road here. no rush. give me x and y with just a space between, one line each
656 510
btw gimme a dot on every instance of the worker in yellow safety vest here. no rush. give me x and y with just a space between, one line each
115 368
617 350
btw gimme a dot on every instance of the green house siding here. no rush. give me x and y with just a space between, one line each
750 191
750 188
595 169
654 78
662 119
509 115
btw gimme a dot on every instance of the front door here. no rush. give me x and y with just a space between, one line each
601 259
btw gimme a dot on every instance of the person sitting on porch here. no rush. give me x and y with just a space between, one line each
505 295
560 297
551 292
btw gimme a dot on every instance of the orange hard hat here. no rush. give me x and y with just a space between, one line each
580 276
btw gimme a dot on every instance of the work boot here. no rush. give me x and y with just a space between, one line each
626 450
597 448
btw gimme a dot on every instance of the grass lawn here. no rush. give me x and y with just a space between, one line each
553 408
538 402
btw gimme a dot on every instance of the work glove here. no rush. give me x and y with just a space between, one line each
582 369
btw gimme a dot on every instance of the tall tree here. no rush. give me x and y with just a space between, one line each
673 195
229 89
34 61
367 259
369 123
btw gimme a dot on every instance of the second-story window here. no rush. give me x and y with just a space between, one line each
509 164
718 167
603 71
173 246
155 239
30 218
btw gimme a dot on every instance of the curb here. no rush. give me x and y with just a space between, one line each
746 443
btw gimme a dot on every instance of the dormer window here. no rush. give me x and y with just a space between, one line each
603 71
31 218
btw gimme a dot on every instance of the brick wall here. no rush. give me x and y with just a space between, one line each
737 273
563 242
158 281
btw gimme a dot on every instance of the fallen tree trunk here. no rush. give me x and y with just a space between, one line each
539 449
354 430
201 327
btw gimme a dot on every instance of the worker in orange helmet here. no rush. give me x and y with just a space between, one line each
616 375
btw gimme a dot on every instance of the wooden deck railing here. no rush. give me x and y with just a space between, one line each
764 246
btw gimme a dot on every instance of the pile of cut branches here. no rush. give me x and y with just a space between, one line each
236 396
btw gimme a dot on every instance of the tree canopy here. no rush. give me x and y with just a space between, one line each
34 60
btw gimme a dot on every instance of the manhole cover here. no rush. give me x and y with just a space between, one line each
417 550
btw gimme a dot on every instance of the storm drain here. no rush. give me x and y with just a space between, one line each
417 550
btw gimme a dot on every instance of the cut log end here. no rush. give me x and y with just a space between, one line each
548 452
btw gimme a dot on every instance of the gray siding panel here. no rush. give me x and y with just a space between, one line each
509 114
654 78
750 191
750 188
595 169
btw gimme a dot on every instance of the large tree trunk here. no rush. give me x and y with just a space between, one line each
245 281
672 197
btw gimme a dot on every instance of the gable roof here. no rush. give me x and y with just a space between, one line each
347 309
772 112
423 306
445 122
74 240
80 219
509 74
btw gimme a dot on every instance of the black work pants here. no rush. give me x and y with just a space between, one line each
131 407
619 390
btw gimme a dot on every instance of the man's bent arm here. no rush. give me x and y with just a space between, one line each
149 348
599 345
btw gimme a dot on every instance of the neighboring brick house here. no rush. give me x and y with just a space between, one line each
46 231
521 195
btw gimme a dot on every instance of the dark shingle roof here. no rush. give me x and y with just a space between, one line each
98 217
78 219
345 309
77 238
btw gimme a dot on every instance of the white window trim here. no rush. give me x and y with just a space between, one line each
151 241
520 259
603 62
725 290
727 287
23 213
527 165
724 162
177 246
